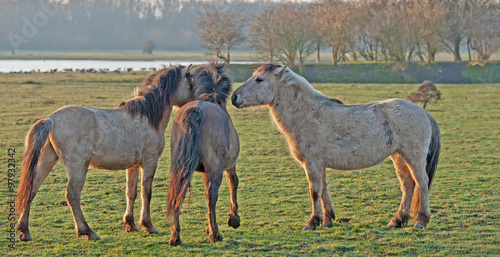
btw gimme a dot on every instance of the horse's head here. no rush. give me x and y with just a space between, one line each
184 91
261 88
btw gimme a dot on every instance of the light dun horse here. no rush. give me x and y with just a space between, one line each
322 132
128 137
204 139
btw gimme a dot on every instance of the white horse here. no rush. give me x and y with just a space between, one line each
324 133
129 137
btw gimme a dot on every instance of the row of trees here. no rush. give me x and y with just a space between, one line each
395 30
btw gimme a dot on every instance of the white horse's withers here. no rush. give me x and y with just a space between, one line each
324 133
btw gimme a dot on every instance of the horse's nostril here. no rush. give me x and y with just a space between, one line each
233 99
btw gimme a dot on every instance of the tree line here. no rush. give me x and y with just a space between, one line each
402 31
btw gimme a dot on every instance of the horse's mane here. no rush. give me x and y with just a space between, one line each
211 84
269 67
154 95
264 68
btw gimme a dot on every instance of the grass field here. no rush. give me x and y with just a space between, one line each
273 194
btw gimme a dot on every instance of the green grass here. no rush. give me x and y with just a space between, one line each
273 194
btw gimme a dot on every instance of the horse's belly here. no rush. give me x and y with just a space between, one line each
356 154
113 163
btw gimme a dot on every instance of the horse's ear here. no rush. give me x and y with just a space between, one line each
189 68
280 73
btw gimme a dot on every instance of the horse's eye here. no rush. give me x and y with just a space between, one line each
258 80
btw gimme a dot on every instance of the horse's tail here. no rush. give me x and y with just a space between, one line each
35 140
431 163
186 159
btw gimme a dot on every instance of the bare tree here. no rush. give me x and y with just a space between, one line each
366 43
334 22
425 23
483 28
263 35
148 46
294 35
391 31
453 34
221 28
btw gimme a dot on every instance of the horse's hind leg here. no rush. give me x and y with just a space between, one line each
46 162
326 202
407 186
148 173
421 193
212 182
315 177
131 194
234 218
175 230
77 172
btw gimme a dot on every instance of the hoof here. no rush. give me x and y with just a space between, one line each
326 224
175 242
25 237
153 231
216 237
93 236
419 226
307 227
233 221
150 229
130 228
394 225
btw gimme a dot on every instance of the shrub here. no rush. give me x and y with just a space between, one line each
426 92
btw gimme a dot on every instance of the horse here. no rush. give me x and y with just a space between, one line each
129 137
204 139
325 133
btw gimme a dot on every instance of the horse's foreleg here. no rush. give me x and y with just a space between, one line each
234 218
46 162
407 186
326 202
315 176
131 194
148 173
76 180
212 183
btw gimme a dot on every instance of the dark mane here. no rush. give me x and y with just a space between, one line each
264 68
155 95
211 84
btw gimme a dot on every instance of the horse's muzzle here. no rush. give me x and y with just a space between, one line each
234 101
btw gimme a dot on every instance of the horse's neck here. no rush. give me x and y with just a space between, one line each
291 105
165 119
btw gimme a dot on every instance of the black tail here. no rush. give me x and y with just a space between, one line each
186 159
35 140
432 161
434 150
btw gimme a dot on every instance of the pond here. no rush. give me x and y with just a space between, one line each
18 65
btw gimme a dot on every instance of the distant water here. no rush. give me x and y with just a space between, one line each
60 65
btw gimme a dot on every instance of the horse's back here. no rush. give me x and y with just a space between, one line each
215 133
107 137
